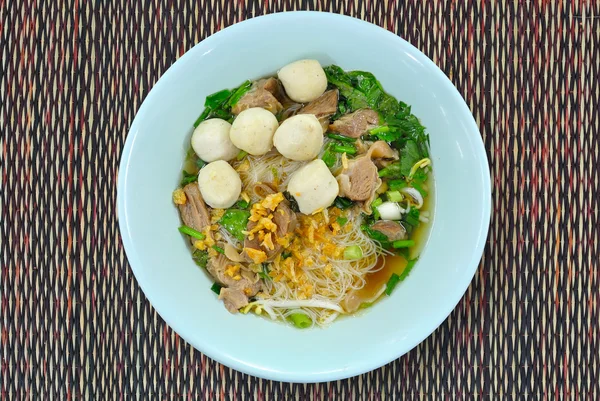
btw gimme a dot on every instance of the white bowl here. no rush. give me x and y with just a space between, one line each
151 166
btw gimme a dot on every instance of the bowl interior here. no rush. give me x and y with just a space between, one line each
180 292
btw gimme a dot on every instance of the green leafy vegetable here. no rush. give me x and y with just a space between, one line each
235 221
264 274
216 288
343 203
393 170
191 232
342 221
241 204
377 236
329 157
359 89
219 104
216 99
395 185
200 163
188 178
292 200
238 93
300 320
200 257
409 155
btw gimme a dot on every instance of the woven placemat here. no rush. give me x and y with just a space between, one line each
74 323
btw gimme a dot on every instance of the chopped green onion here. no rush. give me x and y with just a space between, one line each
379 130
342 221
404 252
395 279
286 255
218 249
241 155
407 243
341 138
351 150
376 203
408 268
300 320
392 283
353 252
394 196
191 232
395 185
412 217
216 288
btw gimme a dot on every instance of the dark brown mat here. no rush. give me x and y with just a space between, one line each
74 323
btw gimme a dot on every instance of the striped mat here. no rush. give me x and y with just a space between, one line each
75 325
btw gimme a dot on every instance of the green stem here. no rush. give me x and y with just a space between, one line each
191 232
403 243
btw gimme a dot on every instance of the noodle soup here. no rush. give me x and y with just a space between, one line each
305 196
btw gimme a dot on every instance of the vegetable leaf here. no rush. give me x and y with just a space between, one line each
200 257
409 155
238 93
216 99
343 203
377 236
292 200
242 204
188 178
395 279
264 274
216 288
235 221
219 104
359 89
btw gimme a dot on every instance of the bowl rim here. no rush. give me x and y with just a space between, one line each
367 365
